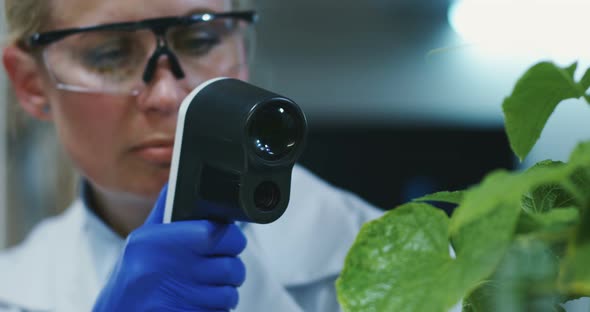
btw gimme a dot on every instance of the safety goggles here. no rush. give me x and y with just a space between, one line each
122 58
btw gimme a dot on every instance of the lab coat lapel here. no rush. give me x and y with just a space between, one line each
86 262
262 291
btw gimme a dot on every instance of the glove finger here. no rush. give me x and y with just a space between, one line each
229 240
211 297
157 214
201 237
219 271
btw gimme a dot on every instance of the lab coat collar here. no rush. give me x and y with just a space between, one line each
104 244
55 269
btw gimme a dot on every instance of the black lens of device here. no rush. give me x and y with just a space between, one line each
267 196
275 130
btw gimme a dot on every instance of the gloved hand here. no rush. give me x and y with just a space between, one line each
182 266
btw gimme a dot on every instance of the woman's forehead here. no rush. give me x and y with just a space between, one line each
79 13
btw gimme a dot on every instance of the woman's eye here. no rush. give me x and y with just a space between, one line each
196 44
106 58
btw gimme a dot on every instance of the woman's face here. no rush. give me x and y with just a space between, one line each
122 143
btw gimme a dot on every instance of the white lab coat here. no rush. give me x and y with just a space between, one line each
291 264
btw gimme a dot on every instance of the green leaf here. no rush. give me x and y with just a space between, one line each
578 182
524 281
548 163
481 299
554 220
400 262
575 275
585 81
502 187
481 243
544 198
534 98
581 154
484 224
571 70
444 197
498 189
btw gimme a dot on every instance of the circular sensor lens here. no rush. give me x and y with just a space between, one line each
275 130
267 196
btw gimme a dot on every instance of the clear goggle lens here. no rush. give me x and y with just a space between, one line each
115 61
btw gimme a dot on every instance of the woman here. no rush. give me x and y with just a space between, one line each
111 85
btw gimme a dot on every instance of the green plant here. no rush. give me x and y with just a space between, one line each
521 241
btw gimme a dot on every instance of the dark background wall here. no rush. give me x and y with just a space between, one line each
390 165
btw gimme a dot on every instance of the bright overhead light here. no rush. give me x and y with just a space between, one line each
555 29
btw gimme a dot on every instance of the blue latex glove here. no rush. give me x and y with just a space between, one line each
182 266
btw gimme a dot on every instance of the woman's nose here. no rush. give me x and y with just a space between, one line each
164 93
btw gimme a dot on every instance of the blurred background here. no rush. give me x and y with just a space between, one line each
403 97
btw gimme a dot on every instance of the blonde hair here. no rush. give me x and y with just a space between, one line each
27 17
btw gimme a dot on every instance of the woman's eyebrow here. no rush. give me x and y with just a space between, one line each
200 11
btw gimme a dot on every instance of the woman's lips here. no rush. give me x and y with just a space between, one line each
158 153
